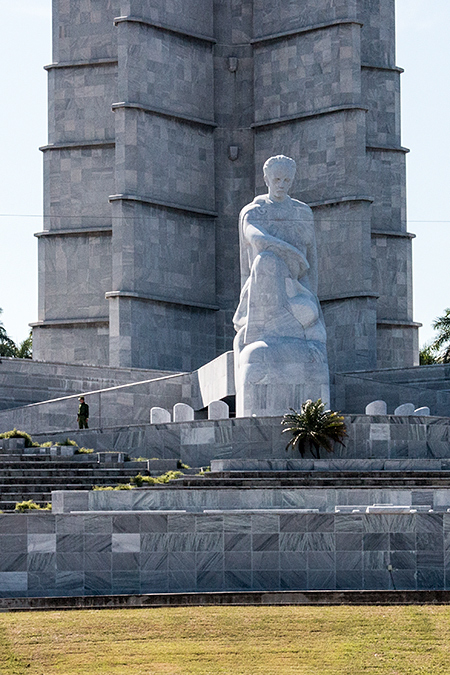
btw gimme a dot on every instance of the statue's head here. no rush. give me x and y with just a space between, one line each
279 172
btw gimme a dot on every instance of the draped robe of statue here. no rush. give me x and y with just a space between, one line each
280 345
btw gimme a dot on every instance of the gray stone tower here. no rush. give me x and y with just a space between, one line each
161 114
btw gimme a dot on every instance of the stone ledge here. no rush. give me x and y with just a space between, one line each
102 320
308 115
76 232
262 39
77 145
91 63
165 28
164 113
432 597
158 298
390 233
157 203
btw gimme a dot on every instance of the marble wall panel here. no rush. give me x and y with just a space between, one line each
163 253
397 346
84 30
144 142
84 344
145 333
81 103
378 31
392 274
165 71
285 72
381 94
195 16
80 181
236 552
329 151
77 276
387 185
279 16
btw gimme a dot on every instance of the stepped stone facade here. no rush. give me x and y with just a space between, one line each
160 115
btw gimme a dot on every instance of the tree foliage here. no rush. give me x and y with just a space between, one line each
438 351
9 348
313 428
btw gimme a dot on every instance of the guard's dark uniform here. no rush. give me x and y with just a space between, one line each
83 415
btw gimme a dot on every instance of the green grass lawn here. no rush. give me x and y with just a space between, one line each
235 640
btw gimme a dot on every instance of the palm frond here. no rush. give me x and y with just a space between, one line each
314 428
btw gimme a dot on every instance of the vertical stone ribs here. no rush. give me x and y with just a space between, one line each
163 305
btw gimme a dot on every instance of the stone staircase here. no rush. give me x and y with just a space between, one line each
24 477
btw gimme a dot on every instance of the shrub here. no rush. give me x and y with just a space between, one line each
182 465
203 470
121 486
313 428
67 441
84 451
30 505
15 433
168 476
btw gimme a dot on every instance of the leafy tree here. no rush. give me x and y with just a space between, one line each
438 351
25 349
7 345
428 356
9 348
442 342
313 428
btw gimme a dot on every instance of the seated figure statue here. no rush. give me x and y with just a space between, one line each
280 345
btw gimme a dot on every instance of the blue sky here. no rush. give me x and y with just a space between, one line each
422 49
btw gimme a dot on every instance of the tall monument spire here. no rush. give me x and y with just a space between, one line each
158 115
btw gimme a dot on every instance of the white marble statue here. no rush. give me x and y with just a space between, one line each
280 346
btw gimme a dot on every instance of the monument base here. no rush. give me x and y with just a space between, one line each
276 375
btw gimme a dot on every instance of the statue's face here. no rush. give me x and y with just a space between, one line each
279 179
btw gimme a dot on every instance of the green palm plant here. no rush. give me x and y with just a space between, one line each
442 324
313 428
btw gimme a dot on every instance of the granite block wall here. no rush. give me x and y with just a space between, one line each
381 92
23 381
278 67
76 178
164 72
101 554
77 276
391 339
193 16
321 500
378 31
314 142
122 425
77 110
351 333
392 269
82 31
269 18
81 342
422 385
386 178
163 254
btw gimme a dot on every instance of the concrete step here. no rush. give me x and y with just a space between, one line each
321 479
16 474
